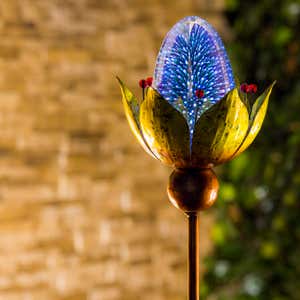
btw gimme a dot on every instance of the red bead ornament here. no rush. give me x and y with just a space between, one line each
244 88
199 93
142 83
149 81
248 88
252 88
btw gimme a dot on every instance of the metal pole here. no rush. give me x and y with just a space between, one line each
191 191
193 256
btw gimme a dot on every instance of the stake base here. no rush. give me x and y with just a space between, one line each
193 190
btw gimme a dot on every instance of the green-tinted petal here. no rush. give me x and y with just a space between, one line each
132 108
257 116
165 130
220 131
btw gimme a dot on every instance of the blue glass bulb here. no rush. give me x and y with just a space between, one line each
192 58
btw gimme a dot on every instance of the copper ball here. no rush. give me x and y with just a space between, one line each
193 190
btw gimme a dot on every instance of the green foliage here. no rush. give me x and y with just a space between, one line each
257 234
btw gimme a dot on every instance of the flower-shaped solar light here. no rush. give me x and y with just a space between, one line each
194 116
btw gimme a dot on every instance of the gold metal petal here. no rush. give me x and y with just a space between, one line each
257 116
132 109
220 131
165 130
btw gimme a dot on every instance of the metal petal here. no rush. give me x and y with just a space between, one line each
132 110
165 130
257 116
220 131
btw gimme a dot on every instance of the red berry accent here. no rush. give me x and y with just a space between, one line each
199 93
142 83
252 88
248 88
149 81
244 88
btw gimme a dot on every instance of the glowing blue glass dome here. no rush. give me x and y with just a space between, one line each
192 58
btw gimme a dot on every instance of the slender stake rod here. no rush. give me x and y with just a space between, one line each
191 191
193 256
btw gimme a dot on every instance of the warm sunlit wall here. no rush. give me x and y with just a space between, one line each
83 210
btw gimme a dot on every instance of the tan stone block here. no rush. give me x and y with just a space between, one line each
84 213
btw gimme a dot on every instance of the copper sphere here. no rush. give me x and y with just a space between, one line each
193 190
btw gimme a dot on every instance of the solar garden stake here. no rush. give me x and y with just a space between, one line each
192 117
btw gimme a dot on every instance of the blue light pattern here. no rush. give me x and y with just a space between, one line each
193 57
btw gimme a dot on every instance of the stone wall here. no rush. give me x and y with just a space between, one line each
83 210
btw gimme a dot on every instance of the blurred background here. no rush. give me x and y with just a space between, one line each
83 210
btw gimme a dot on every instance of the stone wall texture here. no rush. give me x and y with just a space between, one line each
83 209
